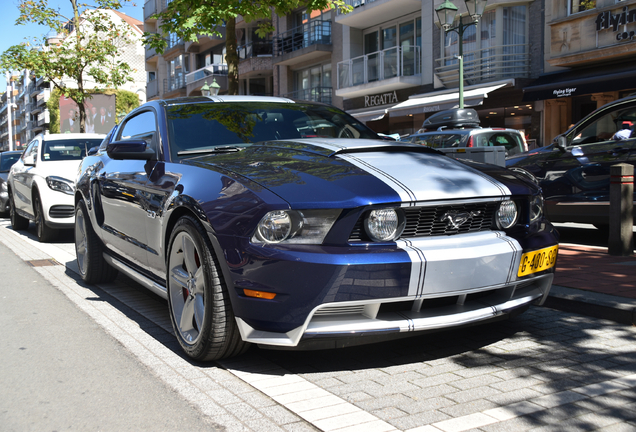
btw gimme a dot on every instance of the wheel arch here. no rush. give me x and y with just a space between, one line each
189 207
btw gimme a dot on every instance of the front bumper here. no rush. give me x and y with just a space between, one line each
372 318
413 285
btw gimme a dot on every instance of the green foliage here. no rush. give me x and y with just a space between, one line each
88 52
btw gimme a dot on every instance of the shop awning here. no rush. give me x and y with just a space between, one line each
579 82
438 101
369 115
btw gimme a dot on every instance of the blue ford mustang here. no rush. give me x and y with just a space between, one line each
289 224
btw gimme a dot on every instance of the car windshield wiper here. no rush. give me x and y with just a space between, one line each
220 149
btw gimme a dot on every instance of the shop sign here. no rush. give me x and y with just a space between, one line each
380 99
566 92
607 20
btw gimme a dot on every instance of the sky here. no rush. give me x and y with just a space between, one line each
12 34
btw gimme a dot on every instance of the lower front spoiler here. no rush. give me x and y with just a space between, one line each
370 319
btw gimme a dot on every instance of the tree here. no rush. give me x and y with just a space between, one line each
187 19
87 49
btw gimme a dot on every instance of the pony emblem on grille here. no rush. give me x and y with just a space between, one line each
454 219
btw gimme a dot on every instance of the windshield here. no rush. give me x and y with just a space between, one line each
8 160
68 149
209 125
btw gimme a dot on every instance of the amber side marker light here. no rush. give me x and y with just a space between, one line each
259 294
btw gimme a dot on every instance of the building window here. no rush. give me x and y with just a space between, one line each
487 54
577 6
177 70
313 84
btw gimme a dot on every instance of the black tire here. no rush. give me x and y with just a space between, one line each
17 222
200 309
89 250
44 232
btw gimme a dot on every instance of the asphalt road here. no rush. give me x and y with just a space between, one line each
104 358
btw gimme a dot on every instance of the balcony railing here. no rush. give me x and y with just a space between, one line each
255 49
315 94
150 52
43 98
173 83
380 65
489 64
205 72
312 33
150 8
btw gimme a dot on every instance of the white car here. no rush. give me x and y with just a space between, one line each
41 185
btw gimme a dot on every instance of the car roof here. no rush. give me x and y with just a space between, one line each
224 98
65 136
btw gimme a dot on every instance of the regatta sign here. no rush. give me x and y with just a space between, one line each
380 99
607 20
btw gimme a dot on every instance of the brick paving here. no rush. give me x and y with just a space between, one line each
592 269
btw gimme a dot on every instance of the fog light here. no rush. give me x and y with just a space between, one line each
384 225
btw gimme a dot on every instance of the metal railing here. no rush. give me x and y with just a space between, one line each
312 33
488 64
380 65
204 72
315 94
173 83
255 49
173 40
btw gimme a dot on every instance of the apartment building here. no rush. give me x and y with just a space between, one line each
533 65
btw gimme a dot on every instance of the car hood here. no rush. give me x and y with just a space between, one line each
347 173
65 169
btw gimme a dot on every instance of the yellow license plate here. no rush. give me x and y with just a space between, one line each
539 260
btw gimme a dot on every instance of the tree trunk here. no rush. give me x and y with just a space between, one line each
232 57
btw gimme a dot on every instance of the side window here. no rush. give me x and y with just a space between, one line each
28 150
607 127
141 126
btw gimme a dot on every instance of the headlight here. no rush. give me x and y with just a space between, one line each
61 185
536 207
384 224
294 226
507 214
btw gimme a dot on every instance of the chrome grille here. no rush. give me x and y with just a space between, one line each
427 221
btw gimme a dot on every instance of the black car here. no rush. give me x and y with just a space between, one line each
7 159
291 224
574 171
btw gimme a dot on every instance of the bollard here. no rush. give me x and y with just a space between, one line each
621 238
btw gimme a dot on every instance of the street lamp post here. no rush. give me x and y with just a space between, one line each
210 90
446 13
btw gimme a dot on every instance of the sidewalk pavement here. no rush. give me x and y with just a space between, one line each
591 282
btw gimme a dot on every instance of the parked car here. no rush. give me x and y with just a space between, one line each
458 128
7 159
259 223
41 185
574 171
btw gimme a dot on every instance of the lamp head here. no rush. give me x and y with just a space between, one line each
446 14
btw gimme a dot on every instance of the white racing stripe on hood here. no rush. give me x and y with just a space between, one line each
415 176
427 177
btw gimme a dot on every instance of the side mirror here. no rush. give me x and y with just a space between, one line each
29 160
92 151
130 149
561 142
